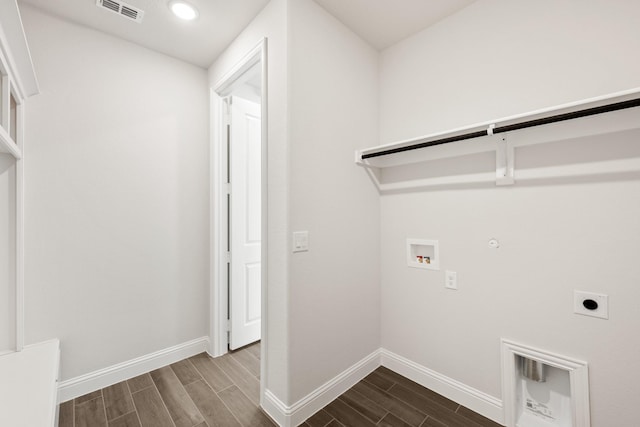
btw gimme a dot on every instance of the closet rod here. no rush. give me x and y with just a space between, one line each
516 126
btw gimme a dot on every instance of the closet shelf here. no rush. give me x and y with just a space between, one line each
7 145
595 116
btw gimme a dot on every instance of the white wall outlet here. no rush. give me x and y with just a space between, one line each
451 280
591 304
300 241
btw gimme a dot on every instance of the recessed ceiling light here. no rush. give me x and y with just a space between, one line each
183 10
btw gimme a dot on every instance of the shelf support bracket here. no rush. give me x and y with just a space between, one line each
372 171
504 161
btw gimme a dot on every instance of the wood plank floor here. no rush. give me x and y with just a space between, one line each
385 398
224 392
195 392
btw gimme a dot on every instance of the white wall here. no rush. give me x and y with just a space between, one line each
116 197
7 252
272 24
496 59
117 215
334 288
322 106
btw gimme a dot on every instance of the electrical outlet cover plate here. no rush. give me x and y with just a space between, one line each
451 280
603 304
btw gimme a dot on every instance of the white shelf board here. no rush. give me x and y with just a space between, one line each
7 145
504 146
29 384
478 145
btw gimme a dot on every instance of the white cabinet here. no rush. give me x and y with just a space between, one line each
29 374
28 390
17 83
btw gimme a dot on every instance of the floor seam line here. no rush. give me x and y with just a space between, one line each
227 406
347 403
134 403
163 403
104 408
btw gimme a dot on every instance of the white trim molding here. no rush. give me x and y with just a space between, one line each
102 378
476 400
294 415
578 380
218 201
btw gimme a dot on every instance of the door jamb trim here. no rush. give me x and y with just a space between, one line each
218 292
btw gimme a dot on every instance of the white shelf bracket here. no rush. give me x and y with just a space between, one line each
372 171
504 162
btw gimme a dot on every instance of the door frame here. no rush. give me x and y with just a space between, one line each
218 205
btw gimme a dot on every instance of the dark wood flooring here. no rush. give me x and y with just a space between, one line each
387 399
195 392
224 392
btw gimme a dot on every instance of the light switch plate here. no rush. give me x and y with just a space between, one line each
300 241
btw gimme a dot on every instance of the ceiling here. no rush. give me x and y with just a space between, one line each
198 42
381 23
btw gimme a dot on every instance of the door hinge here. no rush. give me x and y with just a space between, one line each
226 188
227 111
227 257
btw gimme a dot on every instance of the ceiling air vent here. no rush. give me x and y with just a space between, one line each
122 9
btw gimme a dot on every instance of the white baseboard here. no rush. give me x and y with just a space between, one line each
278 411
476 400
291 416
78 386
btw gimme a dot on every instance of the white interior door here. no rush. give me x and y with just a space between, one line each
244 218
